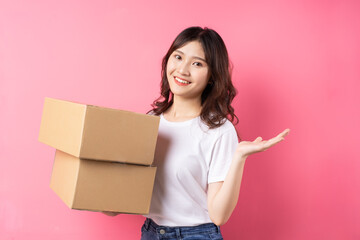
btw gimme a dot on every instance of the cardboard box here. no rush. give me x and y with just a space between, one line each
104 134
102 186
103 156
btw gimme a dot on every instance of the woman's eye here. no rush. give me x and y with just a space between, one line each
198 64
177 57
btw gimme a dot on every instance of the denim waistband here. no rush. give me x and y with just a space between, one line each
150 225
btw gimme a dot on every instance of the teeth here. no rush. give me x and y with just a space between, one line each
182 81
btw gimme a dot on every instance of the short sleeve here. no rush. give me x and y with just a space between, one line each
222 154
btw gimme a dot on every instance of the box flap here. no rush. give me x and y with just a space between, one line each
118 135
62 125
64 176
108 186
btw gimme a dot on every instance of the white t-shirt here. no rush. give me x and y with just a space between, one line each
188 156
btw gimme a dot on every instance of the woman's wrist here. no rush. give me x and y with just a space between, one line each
240 158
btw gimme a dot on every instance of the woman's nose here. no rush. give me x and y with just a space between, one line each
183 68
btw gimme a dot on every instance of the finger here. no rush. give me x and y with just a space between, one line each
280 137
284 133
273 141
258 139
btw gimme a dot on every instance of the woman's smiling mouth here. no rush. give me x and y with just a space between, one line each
181 82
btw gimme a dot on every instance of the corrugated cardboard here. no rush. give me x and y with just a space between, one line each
104 134
102 186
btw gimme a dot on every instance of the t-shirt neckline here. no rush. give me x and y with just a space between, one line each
182 123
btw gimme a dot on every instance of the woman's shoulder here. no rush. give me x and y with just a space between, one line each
227 124
226 127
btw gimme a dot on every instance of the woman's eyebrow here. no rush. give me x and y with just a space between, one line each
192 56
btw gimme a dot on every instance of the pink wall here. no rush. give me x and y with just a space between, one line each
296 65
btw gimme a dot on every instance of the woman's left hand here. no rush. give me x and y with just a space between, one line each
111 214
246 148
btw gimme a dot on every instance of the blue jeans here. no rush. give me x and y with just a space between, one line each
150 230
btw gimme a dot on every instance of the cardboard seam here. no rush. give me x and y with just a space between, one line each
76 184
82 131
81 144
124 163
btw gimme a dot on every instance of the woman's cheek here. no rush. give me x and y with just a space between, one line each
170 66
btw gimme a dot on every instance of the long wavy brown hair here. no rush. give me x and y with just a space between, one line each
217 96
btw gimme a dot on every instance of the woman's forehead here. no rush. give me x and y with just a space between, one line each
192 49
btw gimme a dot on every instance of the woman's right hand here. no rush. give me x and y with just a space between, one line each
111 214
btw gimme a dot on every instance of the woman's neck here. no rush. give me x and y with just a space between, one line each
183 109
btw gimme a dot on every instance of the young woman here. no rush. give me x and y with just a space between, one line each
199 160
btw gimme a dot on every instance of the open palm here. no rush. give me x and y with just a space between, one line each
246 148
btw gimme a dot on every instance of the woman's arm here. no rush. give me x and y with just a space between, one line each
223 196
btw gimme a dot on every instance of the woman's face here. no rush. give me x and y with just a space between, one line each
187 71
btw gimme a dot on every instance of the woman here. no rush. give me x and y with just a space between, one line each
199 160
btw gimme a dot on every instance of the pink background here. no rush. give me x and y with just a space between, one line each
296 65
